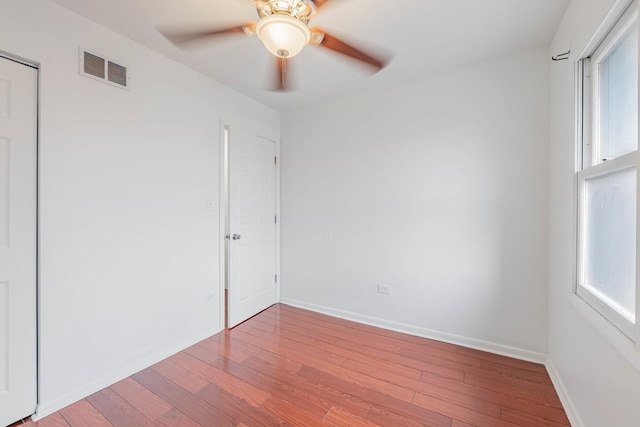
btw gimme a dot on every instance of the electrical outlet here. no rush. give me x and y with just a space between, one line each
384 289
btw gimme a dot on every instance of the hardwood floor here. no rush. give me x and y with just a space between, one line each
289 366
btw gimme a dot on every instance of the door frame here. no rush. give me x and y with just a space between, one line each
35 65
228 124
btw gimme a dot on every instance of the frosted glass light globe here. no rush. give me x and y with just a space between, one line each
283 35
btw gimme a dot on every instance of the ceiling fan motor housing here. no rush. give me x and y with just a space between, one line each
298 9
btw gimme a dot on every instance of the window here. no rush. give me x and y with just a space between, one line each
607 175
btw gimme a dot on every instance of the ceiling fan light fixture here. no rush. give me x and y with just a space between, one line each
283 35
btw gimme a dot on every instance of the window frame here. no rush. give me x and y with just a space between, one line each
586 169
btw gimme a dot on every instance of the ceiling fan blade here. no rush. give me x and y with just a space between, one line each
183 37
319 3
281 77
330 42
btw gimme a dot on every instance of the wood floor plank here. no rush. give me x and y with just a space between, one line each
288 366
289 349
297 389
238 408
366 333
301 335
453 368
530 420
518 403
475 403
291 324
185 402
293 415
383 369
253 395
390 389
388 418
458 423
274 359
343 331
352 357
435 364
497 358
339 417
545 395
82 414
509 370
368 375
375 397
175 418
320 327
117 410
458 412
54 420
180 375
218 347
142 399
453 359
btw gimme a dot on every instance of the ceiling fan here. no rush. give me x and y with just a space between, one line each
284 30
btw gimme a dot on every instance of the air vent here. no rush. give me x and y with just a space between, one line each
98 67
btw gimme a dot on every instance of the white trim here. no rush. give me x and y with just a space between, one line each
501 349
55 405
279 222
628 161
563 394
615 13
636 329
222 284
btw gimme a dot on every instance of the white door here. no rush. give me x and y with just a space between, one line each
18 85
252 228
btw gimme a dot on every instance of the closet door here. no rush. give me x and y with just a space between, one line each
18 133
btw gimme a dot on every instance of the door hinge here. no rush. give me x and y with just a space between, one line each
276 278
276 219
275 160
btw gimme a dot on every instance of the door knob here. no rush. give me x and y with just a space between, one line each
236 237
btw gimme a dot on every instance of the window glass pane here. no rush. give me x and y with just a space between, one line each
611 239
618 98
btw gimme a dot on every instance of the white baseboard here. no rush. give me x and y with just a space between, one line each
504 350
48 408
567 403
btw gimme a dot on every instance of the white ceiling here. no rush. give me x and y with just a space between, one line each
422 36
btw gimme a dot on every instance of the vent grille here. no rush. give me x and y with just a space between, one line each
117 74
93 65
98 67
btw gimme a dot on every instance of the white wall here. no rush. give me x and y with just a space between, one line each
127 250
438 188
595 366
